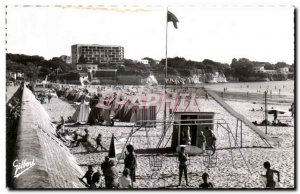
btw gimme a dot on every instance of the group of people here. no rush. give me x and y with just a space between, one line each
111 173
13 109
74 139
180 81
268 123
42 97
183 158
206 138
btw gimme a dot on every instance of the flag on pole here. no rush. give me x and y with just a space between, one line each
172 18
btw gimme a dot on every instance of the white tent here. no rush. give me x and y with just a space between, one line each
82 112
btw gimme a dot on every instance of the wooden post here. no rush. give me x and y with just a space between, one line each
236 131
241 134
266 114
166 69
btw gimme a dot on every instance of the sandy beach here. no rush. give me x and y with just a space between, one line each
231 170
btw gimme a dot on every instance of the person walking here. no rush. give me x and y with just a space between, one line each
98 143
270 175
183 158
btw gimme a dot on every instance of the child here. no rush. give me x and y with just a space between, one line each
98 142
205 184
95 179
125 180
269 175
183 158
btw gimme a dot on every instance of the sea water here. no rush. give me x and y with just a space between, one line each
277 87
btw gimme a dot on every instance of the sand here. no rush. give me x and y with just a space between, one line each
230 172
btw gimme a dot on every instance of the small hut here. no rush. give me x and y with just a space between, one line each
189 129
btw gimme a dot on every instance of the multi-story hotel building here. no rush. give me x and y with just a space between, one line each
96 54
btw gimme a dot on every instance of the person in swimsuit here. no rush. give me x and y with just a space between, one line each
270 175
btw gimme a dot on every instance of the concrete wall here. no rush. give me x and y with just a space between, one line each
54 167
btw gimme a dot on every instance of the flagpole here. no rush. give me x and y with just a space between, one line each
166 66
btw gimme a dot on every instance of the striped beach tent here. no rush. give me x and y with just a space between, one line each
82 112
142 113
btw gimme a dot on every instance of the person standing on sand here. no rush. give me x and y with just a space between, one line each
125 180
112 175
187 135
205 184
275 114
213 145
95 179
130 161
104 168
88 175
206 96
62 122
293 109
202 141
270 175
183 158
49 98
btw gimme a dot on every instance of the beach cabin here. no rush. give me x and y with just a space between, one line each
142 114
189 129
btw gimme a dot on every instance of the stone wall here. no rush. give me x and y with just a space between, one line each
54 165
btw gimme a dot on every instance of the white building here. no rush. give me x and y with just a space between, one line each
283 70
144 61
15 75
259 69
97 54
89 67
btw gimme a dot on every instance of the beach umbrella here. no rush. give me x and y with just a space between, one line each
274 111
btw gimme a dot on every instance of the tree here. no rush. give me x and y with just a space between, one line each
150 60
269 66
280 65
242 69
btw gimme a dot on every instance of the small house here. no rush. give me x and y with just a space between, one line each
189 129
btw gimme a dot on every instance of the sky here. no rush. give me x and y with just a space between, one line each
217 33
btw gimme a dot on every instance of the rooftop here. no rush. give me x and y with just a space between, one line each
97 45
